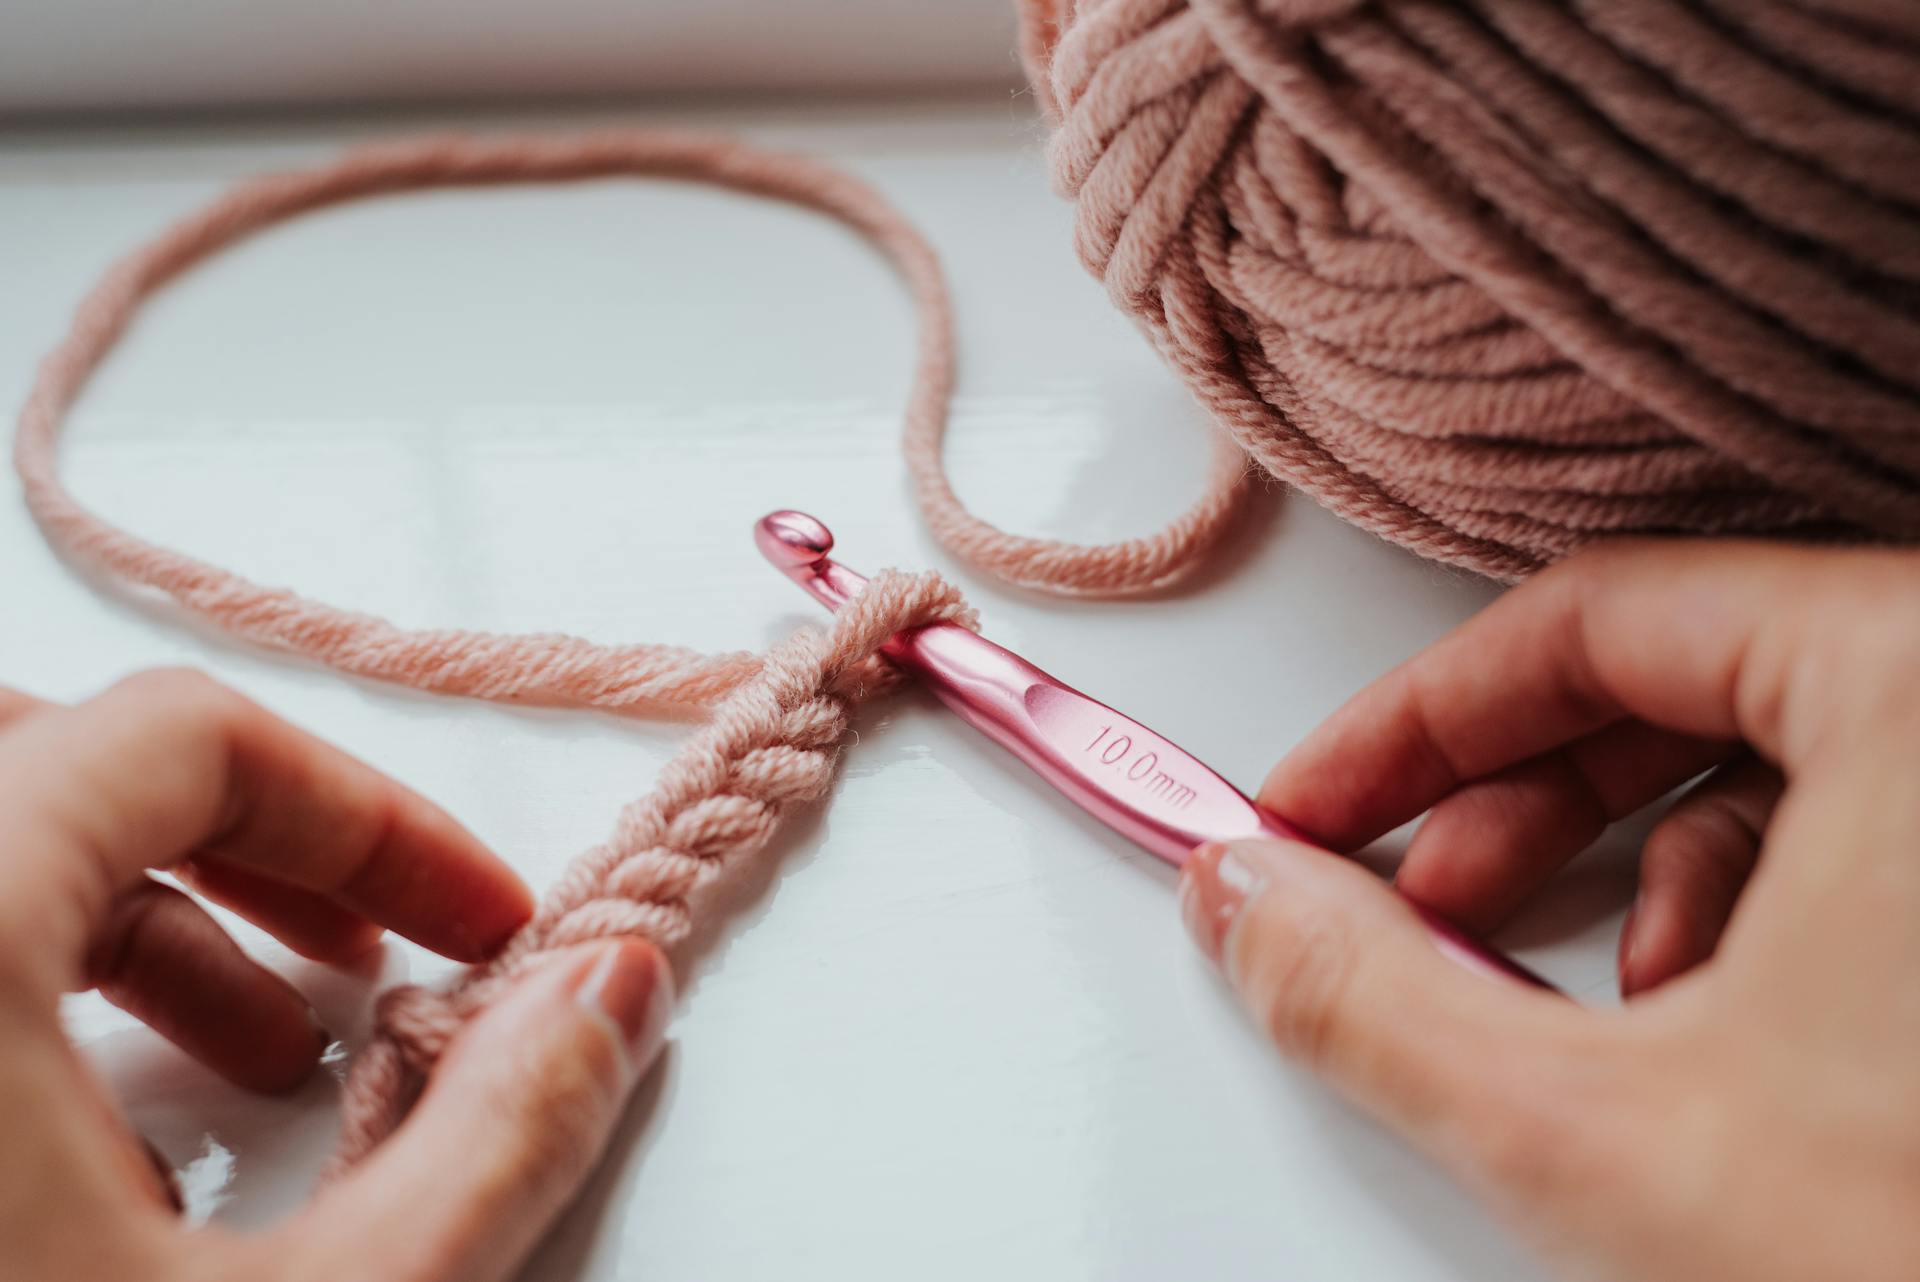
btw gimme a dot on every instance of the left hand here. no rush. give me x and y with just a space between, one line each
169 770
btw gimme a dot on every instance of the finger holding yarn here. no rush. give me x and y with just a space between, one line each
768 747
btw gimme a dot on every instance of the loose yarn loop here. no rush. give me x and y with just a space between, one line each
1495 278
553 668
776 721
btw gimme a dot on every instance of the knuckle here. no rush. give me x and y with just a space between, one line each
1597 560
1533 1142
553 1110
1696 839
1528 1149
1600 563
136 930
26 966
1701 857
219 1254
1298 972
1855 624
1882 583
171 684
184 696
1565 584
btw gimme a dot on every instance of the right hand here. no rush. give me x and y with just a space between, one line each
1753 1115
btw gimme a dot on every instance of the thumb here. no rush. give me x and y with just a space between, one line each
1341 974
512 1121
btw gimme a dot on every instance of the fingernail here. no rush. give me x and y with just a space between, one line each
630 988
1218 881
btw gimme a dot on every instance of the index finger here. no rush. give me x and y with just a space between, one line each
1708 639
171 764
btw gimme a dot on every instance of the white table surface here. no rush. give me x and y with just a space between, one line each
961 1035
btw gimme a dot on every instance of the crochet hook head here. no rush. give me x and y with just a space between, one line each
798 544
790 538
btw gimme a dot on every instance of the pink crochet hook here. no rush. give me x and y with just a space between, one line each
1108 764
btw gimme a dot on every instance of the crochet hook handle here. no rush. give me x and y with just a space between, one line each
1135 781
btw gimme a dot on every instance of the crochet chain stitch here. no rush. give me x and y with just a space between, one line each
770 745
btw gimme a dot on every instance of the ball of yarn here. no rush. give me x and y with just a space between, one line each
1497 278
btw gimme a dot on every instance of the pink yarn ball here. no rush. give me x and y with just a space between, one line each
1495 279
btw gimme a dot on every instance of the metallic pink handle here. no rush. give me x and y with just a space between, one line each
1136 782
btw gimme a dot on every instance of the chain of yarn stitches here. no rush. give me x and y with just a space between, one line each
776 721
770 745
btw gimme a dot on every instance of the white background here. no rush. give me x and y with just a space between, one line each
961 1034
88 55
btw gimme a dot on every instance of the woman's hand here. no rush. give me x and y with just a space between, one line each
1754 1112
169 770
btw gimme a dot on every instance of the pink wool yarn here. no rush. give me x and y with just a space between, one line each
1496 278
770 745
775 720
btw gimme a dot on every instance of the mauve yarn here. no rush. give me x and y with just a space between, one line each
1494 279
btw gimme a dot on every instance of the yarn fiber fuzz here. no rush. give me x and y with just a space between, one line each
1496 278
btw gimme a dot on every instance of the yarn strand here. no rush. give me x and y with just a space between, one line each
769 746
